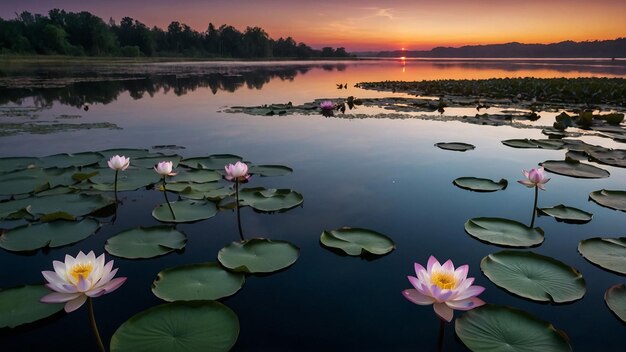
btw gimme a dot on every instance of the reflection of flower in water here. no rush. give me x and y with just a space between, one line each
327 107
444 287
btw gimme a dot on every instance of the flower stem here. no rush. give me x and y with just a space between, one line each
94 327
442 330
238 214
167 200
532 221
115 187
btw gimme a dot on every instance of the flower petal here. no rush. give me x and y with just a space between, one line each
57 297
417 298
431 262
75 303
443 311
448 265
466 304
472 291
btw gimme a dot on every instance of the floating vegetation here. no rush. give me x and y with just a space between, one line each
504 232
607 253
615 298
145 242
480 184
567 214
258 255
573 168
188 210
455 146
534 276
11 129
357 241
613 199
21 305
498 328
50 234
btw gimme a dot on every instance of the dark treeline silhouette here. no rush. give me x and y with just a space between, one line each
82 33
615 48
104 91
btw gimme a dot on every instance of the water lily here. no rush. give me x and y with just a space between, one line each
535 178
445 287
237 172
80 278
327 105
119 162
164 168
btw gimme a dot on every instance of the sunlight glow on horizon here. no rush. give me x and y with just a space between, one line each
371 25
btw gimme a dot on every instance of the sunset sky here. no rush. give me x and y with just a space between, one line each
371 25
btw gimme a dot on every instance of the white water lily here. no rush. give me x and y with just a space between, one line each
164 168
237 172
119 162
78 278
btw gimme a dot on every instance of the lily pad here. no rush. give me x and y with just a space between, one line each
613 157
204 281
258 255
67 160
18 163
608 253
455 146
357 241
504 329
20 305
270 170
534 276
615 298
145 242
270 200
128 180
197 176
62 206
567 214
185 211
534 143
613 199
199 191
504 232
149 161
574 168
179 326
211 162
480 184
129 153
50 234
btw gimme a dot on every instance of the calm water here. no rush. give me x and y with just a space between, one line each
381 174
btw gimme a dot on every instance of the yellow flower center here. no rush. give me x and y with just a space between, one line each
81 269
444 280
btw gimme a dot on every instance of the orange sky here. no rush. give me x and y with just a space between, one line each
372 25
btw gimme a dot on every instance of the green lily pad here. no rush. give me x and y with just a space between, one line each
197 176
610 199
258 255
20 305
188 210
145 242
480 184
149 161
269 170
455 146
67 160
356 241
128 180
18 163
204 281
504 232
504 329
534 143
567 214
62 206
50 234
608 253
36 180
179 326
534 276
613 157
199 191
574 168
615 298
270 200
129 153
211 162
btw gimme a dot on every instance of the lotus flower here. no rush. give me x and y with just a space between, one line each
327 105
237 172
79 278
119 162
535 178
443 287
164 168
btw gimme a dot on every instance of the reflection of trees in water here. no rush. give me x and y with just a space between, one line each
69 92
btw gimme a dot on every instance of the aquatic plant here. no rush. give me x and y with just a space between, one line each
535 178
164 168
237 172
118 163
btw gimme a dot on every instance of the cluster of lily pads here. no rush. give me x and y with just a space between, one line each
61 199
533 276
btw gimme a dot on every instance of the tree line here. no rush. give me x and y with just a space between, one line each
84 34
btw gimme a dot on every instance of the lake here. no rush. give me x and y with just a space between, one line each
375 173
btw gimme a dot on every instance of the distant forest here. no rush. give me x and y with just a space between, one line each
84 34
615 48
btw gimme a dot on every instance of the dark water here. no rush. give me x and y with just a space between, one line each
381 174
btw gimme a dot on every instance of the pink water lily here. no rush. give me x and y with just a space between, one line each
327 105
444 287
119 162
237 172
80 278
535 178
164 168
